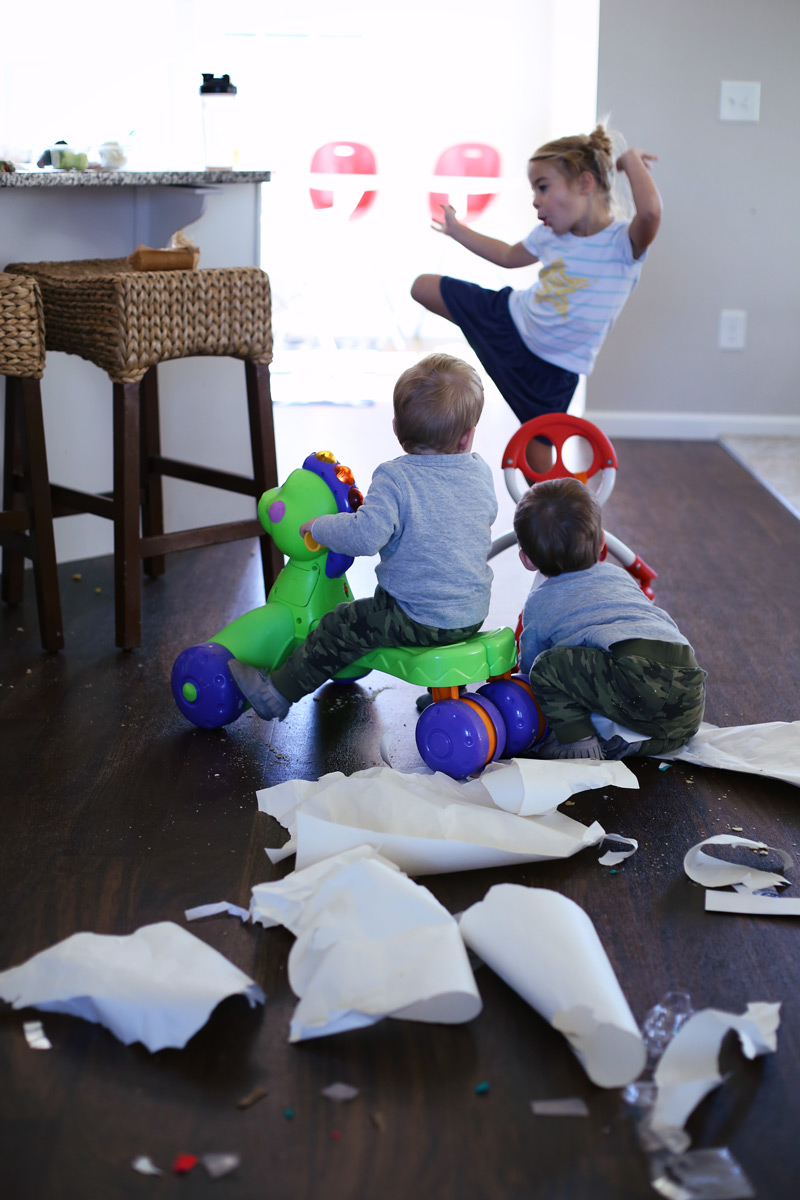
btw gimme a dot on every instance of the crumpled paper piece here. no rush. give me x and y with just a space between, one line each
371 943
547 949
532 787
749 905
429 823
771 749
715 872
612 858
157 986
689 1067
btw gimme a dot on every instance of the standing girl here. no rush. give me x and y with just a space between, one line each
535 342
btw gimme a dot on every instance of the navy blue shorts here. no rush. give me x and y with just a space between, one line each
529 385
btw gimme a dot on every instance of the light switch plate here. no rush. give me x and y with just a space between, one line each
739 101
732 329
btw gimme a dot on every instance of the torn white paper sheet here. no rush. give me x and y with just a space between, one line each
746 904
423 823
370 944
35 1036
532 787
689 1067
546 948
771 749
571 1106
613 858
158 985
214 910
714 872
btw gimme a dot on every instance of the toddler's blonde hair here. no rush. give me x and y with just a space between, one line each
436 402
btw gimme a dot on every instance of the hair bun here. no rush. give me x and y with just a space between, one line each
599 140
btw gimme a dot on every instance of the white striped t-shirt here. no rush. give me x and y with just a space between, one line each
582 286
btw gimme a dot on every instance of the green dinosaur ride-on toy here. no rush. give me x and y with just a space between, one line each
457 734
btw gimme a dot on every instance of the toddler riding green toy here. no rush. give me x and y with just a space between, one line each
456 734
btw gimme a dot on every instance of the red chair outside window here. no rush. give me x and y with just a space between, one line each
473 160
343 158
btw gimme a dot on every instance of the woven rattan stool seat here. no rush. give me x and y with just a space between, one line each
22 347
26 519
127 321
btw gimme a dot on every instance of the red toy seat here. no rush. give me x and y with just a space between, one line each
558 428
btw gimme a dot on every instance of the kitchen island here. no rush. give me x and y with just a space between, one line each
53 215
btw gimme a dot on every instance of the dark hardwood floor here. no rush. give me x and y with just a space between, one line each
116 814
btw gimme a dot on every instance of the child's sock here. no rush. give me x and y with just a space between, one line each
257 687
617 747
551 747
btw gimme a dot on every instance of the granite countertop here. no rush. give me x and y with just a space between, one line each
103 178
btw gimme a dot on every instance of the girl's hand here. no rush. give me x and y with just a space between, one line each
306 527
642 155
448 225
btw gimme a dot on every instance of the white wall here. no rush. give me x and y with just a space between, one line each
729 238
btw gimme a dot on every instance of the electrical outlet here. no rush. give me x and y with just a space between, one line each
732 329
739 101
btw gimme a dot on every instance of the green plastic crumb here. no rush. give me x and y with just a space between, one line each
482 1088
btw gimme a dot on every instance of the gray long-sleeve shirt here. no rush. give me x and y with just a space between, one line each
429 516
596 607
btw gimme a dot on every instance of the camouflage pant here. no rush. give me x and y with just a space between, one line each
654 688
349 631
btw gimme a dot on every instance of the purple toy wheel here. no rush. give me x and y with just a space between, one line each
496 717
203 688
451 737
519 713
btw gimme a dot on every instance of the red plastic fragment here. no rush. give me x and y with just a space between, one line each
185 1163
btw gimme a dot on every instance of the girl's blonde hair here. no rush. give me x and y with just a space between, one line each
582 152
596 152
436 402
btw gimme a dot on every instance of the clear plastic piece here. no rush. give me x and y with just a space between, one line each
662 1023
218 1165
712 1174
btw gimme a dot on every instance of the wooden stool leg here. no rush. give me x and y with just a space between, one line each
127 570
42 541
265 464
13 560
152 490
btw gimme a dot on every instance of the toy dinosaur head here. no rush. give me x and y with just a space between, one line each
321 486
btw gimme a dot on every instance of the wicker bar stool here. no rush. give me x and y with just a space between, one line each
126 322
26 522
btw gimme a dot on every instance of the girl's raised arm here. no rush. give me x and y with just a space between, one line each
644 226
492 249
